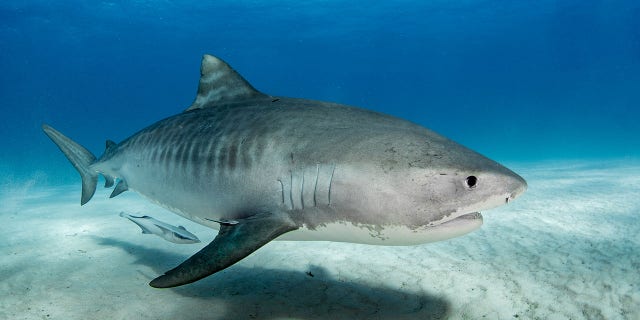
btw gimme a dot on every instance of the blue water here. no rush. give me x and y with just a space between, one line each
514 80
552 87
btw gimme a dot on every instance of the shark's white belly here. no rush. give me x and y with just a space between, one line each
385 235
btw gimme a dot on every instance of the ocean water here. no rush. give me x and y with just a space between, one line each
549 88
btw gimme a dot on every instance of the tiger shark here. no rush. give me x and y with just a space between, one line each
259 167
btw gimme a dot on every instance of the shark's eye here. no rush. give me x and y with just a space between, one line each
471 182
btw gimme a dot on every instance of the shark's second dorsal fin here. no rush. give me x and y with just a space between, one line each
219 83
110 145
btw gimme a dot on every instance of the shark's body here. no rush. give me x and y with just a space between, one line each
171 233
258 166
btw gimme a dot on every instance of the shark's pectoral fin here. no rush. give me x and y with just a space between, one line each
233 243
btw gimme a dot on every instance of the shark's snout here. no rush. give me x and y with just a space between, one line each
518 186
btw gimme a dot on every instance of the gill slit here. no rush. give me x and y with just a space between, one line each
291 190
330 182
302 191
315 186
282 189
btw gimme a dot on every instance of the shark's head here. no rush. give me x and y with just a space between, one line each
429 184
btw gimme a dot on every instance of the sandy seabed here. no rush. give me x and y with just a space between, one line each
569 248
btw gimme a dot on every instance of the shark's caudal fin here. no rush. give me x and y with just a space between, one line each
80 158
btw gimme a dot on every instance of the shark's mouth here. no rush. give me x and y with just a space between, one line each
455 227
469 216
465 219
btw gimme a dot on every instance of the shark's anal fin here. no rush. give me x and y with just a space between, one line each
121 187
232 244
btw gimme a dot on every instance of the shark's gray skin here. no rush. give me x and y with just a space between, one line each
258 166
163 230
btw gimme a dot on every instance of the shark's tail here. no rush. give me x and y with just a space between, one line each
80 158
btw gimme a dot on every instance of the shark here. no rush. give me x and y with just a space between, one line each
257 167
150 225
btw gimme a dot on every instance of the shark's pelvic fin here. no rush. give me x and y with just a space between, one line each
80 158
108 181
120 188
219 83
232 243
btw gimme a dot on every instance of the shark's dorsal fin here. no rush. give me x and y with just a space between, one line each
110 145
219 83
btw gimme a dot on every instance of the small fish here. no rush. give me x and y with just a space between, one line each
163 230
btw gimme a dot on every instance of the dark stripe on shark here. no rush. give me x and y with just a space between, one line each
201 147
177 156
245 152
159 152
184 156
195 156
220 156
153 158
233 156
164 159
210 159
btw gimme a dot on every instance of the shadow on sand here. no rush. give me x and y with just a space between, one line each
260 293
